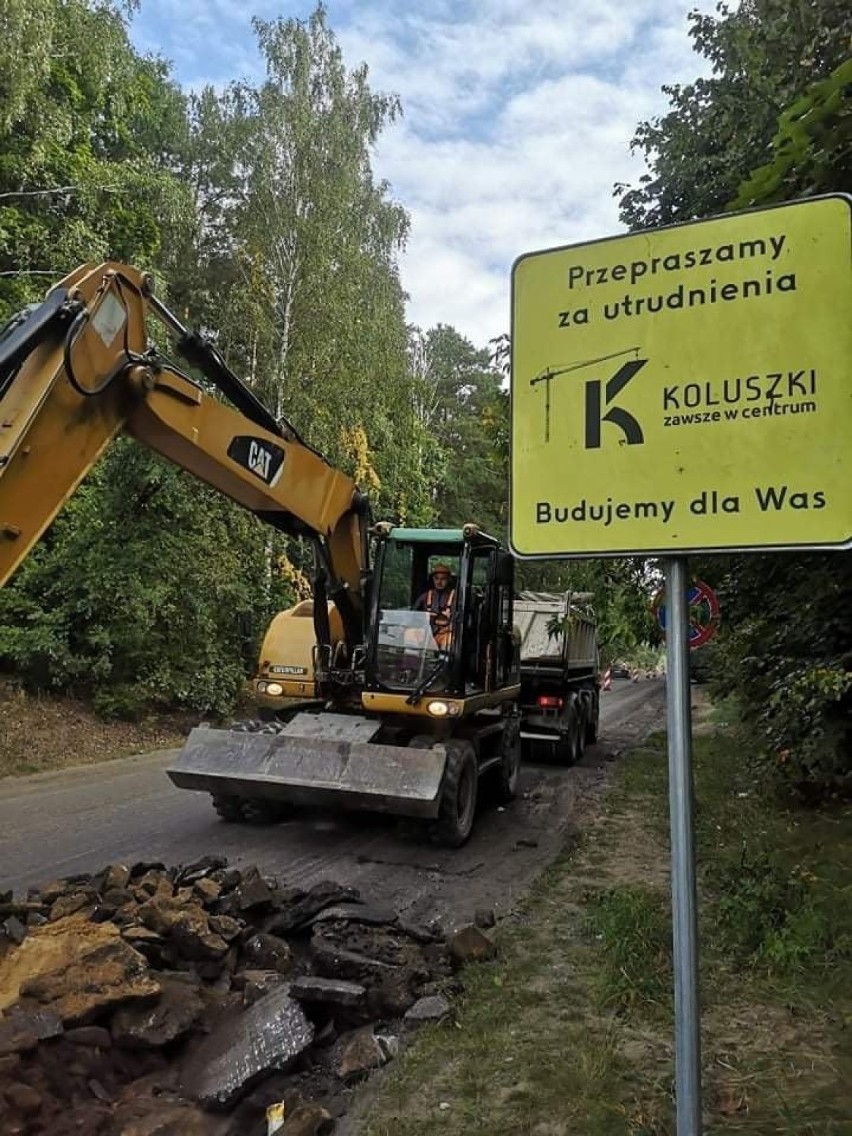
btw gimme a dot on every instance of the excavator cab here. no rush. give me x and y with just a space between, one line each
464 649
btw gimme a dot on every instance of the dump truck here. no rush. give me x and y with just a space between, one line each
375 705
560 684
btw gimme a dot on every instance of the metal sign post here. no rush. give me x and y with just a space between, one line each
684 902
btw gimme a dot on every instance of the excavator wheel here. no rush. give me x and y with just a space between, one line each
230 809
510 761
250 810
260 811
458 796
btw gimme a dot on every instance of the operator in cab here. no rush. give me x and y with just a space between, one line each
438 601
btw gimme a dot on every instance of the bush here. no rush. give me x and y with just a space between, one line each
785 650
769 914
136 595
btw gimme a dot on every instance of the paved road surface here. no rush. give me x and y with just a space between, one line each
78 820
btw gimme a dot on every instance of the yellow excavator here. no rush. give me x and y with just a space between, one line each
369 704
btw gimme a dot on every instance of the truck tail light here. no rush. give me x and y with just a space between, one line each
550 702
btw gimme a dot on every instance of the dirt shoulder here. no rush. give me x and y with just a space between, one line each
569 1032
38 734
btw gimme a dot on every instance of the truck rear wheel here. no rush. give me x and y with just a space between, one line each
579 732
593 715
564 750
458 796
569 748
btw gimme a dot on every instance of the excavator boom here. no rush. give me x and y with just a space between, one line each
78 371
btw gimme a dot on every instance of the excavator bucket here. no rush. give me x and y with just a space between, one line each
316 759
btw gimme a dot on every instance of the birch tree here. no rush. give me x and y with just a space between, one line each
316 310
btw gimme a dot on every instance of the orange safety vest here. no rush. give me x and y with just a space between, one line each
441 615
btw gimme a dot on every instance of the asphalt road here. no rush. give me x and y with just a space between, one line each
78 820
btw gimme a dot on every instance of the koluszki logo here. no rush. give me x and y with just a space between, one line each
620 417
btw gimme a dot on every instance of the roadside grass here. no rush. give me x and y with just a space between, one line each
50 732
570 1032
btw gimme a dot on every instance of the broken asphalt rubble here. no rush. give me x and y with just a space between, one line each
153 1001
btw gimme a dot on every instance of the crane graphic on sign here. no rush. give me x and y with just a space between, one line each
630 427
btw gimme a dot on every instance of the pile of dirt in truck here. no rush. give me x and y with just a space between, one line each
147 1001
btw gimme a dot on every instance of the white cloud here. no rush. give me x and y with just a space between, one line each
517 120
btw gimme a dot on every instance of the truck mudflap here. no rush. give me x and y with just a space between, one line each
316 759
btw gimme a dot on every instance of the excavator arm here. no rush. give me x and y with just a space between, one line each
78 370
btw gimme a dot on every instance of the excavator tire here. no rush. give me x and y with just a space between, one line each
259 811
229 809
250 810
510 761
458 796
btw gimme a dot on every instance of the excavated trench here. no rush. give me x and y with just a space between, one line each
148 1000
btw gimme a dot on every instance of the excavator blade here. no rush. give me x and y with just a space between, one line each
317 759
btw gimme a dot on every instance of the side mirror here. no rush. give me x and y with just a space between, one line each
503 569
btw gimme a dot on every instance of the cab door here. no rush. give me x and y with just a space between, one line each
506 652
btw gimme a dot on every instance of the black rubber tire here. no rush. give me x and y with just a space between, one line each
260 811
459 791
592 722
510 761
421 741
579 733
252 810
229 809
564 751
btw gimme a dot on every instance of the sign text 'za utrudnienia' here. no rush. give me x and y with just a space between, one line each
687 388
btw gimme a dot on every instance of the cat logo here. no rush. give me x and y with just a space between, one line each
259 460
263 459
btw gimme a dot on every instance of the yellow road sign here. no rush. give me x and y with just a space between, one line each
686 389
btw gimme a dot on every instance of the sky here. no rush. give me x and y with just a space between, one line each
517 119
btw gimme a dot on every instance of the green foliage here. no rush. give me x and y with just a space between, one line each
461 414
769 915
633 927
813 147
262 221
785 650
136 594
774 879
301 242
621 590
89 140
764 55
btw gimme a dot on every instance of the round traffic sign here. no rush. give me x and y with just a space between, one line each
703 612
